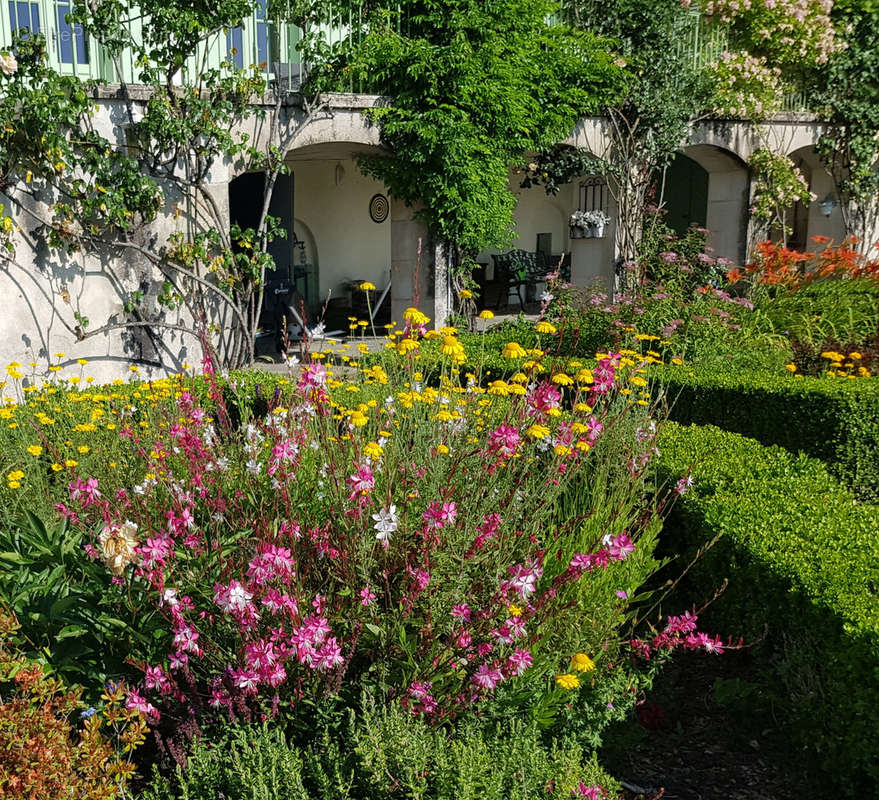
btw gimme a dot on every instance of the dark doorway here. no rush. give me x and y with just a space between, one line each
281 285
686 194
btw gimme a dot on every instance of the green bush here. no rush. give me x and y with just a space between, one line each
802 557
836 420
386 753
69 610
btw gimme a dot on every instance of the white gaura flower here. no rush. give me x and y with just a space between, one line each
386 523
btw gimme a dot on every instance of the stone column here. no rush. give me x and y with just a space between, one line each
419 268
592 262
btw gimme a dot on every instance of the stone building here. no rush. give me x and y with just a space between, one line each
343 227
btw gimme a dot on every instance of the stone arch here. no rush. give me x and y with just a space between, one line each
332 210
812 219
722 177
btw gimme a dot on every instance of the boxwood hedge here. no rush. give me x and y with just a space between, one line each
802 557
836 420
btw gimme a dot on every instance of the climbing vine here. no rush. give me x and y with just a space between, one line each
476 87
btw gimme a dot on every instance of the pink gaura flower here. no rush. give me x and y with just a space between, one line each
685 623
87 491
155 551
439 515
543 399
260 655
519 661
421 578
271 562
504 441
219 698
276 601
487 677
233 598
329 656
684 485
523 579
423 701
366 596
604 375
491 524
620 547
586 562
186 639
461 612
362 482
590 792
246 680
155 678
136 702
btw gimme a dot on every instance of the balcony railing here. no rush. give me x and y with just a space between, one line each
260 42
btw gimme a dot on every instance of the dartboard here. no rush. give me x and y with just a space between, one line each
379 208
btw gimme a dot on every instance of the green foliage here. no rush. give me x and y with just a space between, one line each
240 762
834 420
97 187
476 87
845 310
385 753
847 91
802 557
99 196
777 185
69 611
664 91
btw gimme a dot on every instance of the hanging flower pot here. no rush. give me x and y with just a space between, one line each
577 232
595 220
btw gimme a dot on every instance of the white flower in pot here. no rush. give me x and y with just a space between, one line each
579 225
595 220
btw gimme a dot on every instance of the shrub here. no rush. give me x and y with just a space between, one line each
70 609
802 557
42 755
385 753
834 420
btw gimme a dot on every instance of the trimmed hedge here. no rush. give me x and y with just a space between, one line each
802 557
836 420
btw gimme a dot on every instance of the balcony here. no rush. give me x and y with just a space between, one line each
260 42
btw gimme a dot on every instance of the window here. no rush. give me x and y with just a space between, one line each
72 46
24 15
234 46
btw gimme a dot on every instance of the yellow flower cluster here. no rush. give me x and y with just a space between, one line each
842 366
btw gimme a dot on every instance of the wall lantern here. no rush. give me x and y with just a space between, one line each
828 204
